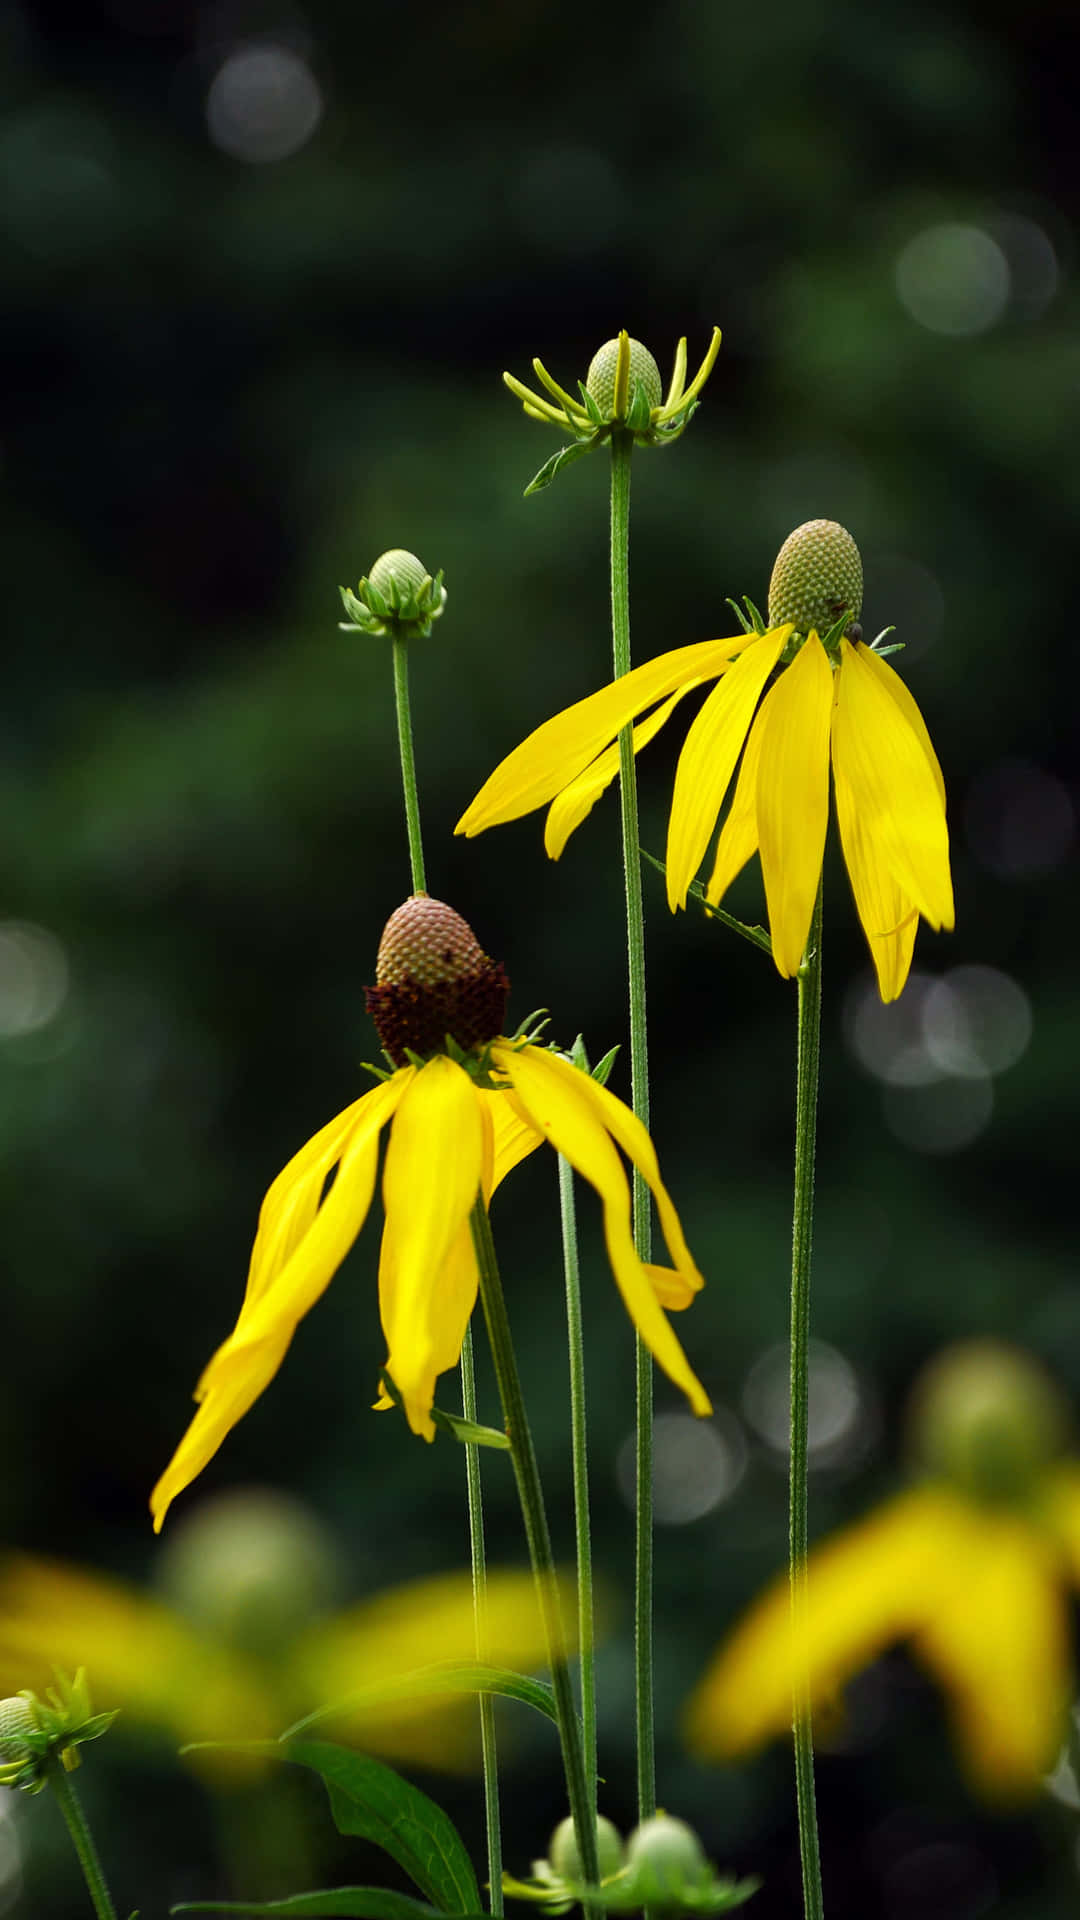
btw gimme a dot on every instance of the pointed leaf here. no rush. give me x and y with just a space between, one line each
451 1676
468 1432
564 458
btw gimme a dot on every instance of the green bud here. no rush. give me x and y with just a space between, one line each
565 1858
398 597
17 1719
667 1860
988 1418
644 373
817 577
397 572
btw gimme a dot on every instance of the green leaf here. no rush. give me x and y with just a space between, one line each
368 1903
468 1432
369 1801
564 458
451 1676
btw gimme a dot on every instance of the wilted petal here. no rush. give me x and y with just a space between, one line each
793 798
708 758
563 747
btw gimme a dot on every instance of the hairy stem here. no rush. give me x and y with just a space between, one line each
408 763
82 1840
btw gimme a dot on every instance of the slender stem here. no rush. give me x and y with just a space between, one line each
488 1752
82 1840
802 1234
408 763
534 1514
578 1441
621 449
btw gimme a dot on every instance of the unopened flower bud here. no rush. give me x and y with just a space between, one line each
666 1859
817 578
987 1418
644 373
399 596
433 979
564 1855
17 1719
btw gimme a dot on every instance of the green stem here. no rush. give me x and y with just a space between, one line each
534 1513
579 1451
82 1840
408 763
802 1234
622 445
489 1756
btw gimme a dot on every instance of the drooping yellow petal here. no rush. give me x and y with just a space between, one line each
889 921
292 1201
793 798
432 1176
997 1643
574 804
556 1098
1060 1503
708 758
141 1657
673 1289
888 678
250 1357
513 1138
738 835
362 1660
563 746
893 784
871 1585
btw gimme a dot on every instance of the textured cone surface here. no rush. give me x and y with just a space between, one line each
644 372
398 567
433 978
818 574
16 1720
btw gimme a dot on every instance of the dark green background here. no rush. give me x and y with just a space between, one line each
230 386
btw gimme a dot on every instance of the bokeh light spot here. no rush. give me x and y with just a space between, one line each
1019 820
836 1406
939 1119
889 1040
953 279
264 104
976 1021
1033 263
34 978
697 1465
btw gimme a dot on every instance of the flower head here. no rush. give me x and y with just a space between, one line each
970 1568
836 700
398 597
35 1733
463 1111
622 392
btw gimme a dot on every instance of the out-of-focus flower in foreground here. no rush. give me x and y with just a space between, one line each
244 1639
971 1569
459 1121
836 699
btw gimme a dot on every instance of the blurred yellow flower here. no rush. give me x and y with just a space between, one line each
194 1683
854 710
451 1139
973 1574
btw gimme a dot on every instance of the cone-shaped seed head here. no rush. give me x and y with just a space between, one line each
988 1418
432 978
818 573
644 372
17 1718
400 568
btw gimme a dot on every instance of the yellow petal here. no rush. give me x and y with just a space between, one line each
431 1179
708 758
997 1643
894 786
793 798
574 804
871 1585
888 678
513 1138
738 835
560 1102
362 1659
1060 1499
562 748
140 1656
888 919
674 1290
250 1357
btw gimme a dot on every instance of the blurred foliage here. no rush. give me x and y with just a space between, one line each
231 384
